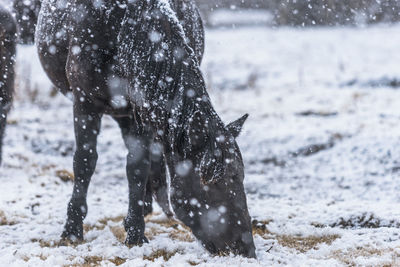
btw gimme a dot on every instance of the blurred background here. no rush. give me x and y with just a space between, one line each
303 12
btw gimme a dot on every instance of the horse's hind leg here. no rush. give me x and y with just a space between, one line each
137 139
87 127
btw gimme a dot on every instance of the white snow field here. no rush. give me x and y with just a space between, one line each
321 149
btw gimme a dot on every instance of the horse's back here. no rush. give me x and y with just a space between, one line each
94 31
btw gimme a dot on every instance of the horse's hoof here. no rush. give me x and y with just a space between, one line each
132 241
69 240
72 235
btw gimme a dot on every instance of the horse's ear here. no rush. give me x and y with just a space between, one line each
236 127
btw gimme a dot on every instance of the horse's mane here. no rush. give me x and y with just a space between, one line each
162 69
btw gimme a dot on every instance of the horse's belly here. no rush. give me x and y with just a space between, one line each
52 41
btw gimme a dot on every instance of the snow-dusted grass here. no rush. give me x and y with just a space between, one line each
322 158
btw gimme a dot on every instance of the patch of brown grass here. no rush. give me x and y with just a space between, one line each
318 225
41 256
118 261
181 235
175 229
347 256
91 261
260 228
12 122
119 233
112 219
152 232
4 220
160 253
65 175
304 244
102 223
89 227
45 244
48 167
88 261
57 243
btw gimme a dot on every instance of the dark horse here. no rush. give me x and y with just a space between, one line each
138 61
7 60
26 14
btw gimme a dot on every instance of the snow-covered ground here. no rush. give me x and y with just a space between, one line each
321 147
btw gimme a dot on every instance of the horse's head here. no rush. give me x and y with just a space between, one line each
207 181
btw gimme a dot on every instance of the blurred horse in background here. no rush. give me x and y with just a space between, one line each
7 59
26 14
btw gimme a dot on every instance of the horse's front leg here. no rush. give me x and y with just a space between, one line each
137 139
87 122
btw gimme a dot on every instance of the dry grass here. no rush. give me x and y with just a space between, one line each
181 235
57 243
102 223
88 261
348 257
111 219
4 220
176 230
12 122
260 228
45 244
160 253
300 243
65 175
91 261
118 261
119 233
304 244
41 256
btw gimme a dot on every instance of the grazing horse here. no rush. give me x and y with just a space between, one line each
138 61
7 60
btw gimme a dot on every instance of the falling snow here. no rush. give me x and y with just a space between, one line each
321 151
